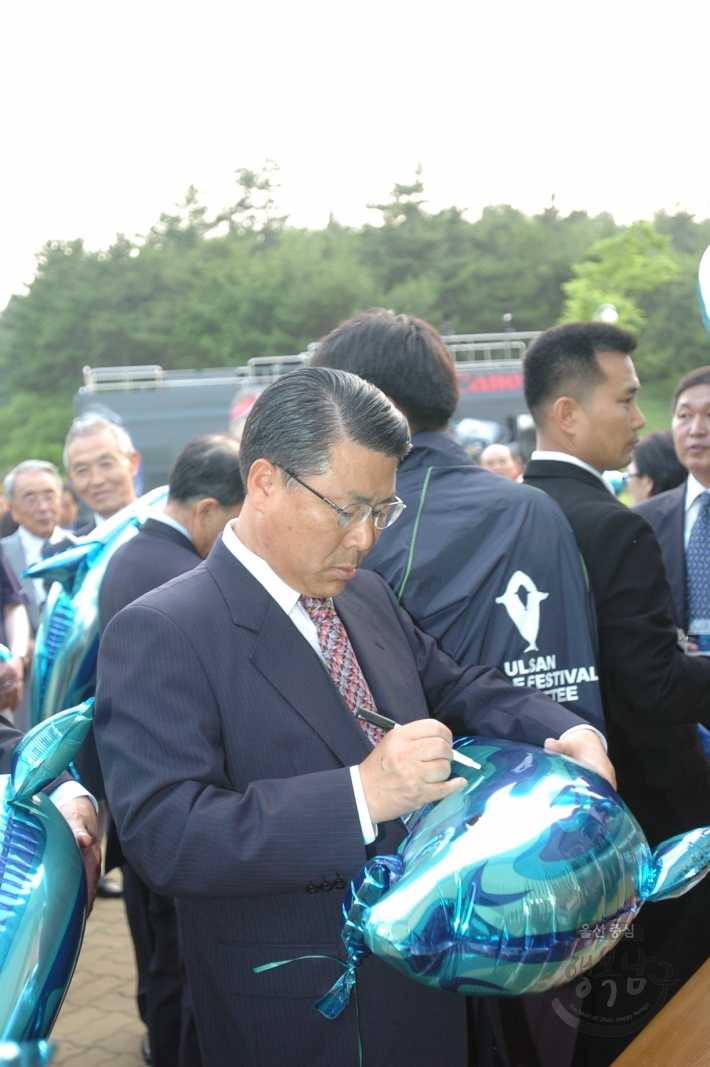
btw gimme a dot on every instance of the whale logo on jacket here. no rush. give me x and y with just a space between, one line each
525 614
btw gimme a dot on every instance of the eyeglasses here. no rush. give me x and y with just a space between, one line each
353 515
33 500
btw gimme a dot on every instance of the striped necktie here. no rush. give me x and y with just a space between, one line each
341 661
697 562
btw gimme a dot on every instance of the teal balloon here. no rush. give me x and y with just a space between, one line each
26 1054
537 863
43 894
67 642
704 289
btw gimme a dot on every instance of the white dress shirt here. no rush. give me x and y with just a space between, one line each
565 457
32 547
288 600
693 502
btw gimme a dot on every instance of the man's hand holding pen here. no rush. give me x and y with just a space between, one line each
410 767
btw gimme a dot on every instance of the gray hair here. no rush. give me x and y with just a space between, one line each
297 421
86 425
30 466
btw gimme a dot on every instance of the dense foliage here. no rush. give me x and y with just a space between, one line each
209 292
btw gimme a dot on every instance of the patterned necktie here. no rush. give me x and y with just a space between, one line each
697 562
341 661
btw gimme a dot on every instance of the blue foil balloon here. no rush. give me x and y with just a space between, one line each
43 894
704 288
536 862
67 643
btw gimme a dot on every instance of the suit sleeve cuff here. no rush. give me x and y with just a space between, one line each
585 726
369 829
71 790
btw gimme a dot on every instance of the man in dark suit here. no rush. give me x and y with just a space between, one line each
673 514
206 492
580 385
239 776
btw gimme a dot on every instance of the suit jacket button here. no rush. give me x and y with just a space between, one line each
311 888
326 886
339 883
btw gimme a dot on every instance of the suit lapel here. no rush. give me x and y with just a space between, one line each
284 657
675 559
377 659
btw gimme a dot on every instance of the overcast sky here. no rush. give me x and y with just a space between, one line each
111 109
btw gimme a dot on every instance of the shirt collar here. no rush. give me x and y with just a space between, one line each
693 491
565 457
170 521
32 544
283 594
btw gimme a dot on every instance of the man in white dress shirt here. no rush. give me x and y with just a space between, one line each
34 492
680 517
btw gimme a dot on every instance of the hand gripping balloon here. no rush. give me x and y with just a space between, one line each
67 644
42 883
496 888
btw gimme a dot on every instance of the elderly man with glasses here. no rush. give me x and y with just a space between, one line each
34 493
242 777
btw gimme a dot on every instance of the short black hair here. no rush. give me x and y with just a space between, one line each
699 376
655 456
296 421
208 466
403 356
563 361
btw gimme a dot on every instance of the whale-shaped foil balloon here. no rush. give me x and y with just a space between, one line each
42 882
67 643
704 288
536 863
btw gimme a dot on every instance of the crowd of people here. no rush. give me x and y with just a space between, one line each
349 555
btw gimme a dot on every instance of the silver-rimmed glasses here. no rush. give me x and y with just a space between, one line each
353 515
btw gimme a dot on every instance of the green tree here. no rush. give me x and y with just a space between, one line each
617 270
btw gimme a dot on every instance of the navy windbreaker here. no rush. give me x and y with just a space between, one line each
491 569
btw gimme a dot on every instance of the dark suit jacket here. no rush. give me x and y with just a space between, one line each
225 747
666 515
157 554
68 542
652 693
9 737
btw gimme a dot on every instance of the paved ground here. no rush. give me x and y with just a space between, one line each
99 1023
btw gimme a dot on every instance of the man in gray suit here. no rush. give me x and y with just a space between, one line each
34 492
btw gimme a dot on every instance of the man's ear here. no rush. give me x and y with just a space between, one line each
264 479
205 507
564 413
135 462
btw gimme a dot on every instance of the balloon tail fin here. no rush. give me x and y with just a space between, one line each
678 864
373 881
48 749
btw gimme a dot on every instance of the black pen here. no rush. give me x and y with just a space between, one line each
375 719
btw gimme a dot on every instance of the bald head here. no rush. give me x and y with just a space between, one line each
499 459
